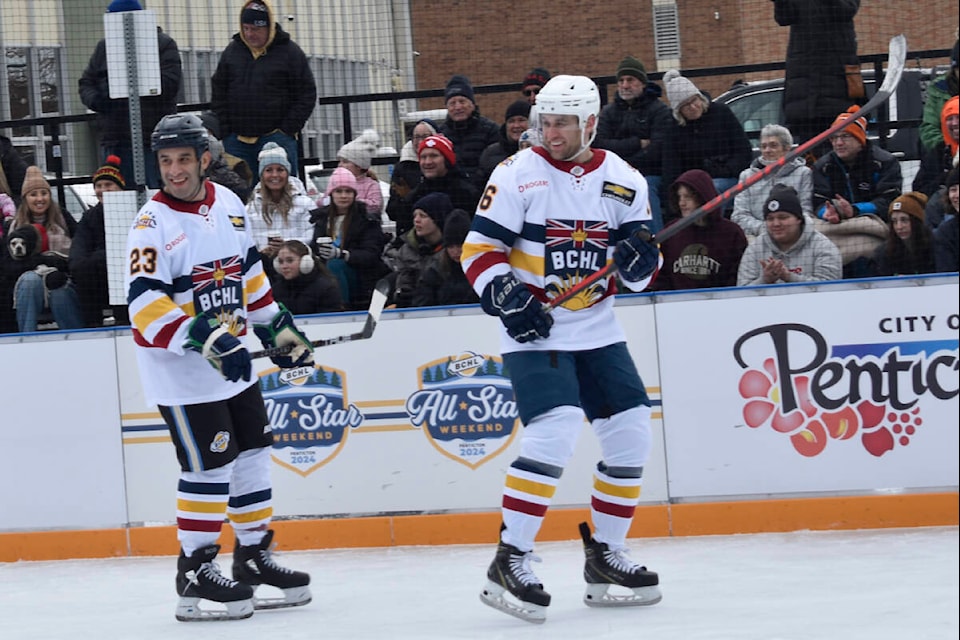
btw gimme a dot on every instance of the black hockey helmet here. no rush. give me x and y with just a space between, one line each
180 130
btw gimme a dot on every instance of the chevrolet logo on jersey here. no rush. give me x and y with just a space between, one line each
621 194
237 222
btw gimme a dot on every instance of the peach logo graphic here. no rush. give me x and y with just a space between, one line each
814 393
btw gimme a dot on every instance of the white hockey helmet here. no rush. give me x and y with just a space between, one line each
569 95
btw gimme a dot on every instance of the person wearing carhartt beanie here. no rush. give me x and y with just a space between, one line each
908 249
118 6
630 66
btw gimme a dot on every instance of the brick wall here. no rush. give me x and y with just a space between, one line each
498 41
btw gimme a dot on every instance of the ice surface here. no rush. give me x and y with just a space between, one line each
893 584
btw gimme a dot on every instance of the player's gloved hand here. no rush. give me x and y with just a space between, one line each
329 251
521 313
637 256
223 350
282 332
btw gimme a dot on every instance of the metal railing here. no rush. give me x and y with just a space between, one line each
53 125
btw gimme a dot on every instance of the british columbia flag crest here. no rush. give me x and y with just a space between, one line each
465 407
310 416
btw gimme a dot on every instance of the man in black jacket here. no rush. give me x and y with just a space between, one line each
114 114
633 127
263 89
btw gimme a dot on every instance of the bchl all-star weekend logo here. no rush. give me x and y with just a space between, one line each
309 415
465 407
819 394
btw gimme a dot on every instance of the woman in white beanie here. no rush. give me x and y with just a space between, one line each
705 135
357 156
279 208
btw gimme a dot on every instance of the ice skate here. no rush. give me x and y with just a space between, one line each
254 566
606 567
199 578
510 572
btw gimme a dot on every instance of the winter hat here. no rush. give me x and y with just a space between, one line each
272 153
783 198
442 144
456 228
118 6
211 123
950 108
630 66
437 205
361 150
536 77
679 90
255 13
33 180
341 178
458 86
913 203
517 108
857 128
110 171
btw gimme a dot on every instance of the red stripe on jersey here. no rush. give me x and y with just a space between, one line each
264 301
483 263
611 509
208 526
162 341
522 506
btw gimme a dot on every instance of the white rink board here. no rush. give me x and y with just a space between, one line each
61 460
386 465
710 447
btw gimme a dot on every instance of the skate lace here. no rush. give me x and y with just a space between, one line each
266 555
212 572
520 568
620 560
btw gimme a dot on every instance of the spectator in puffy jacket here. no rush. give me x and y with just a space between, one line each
633 126
443 281
469 131
263 89
113 114
704 135
514 124
410 253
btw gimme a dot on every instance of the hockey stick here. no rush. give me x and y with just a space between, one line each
897 58
377 302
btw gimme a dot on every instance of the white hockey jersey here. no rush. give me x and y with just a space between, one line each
554 223
185 258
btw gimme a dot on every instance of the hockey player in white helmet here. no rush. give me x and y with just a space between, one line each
549 218
195 281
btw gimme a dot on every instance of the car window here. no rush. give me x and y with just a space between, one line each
755 110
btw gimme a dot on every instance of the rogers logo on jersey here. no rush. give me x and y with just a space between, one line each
180 238
534 184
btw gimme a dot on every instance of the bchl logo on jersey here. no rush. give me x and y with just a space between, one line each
218 284
573 250
465 407
310 417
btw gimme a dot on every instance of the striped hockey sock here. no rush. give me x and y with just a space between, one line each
526 497
613 502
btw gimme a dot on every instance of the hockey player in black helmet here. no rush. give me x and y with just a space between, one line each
192 293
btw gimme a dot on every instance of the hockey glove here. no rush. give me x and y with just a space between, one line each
637 256
282 332
221 349
523 316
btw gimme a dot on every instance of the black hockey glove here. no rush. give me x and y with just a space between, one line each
282 332
523 316
637 256
223 350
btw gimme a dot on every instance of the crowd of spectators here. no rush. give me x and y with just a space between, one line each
838 215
